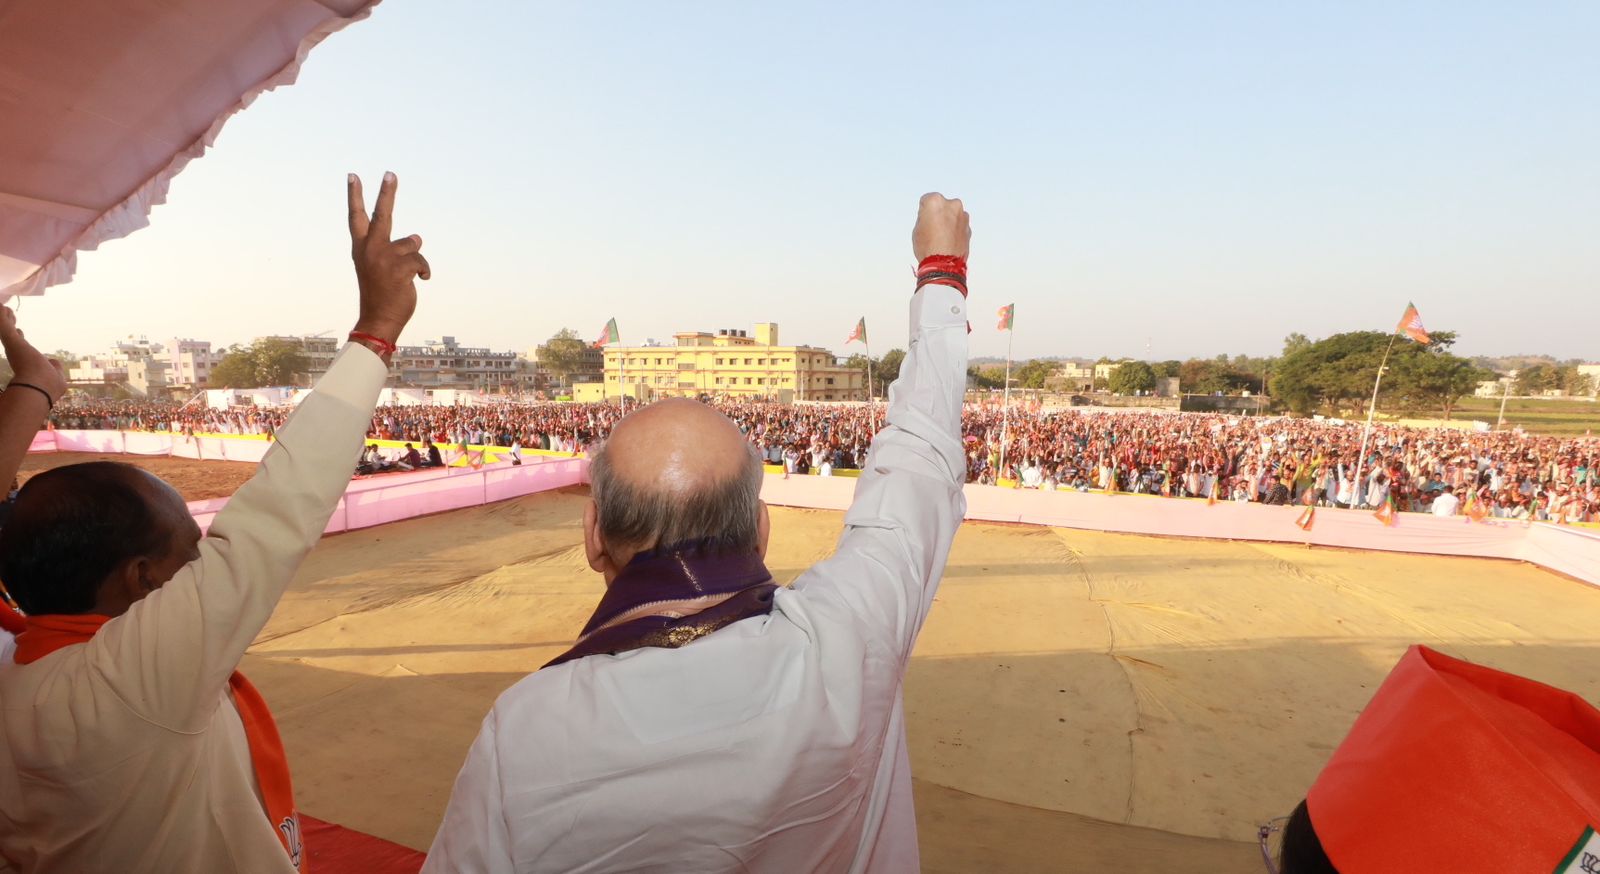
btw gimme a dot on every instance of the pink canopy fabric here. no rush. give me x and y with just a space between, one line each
101 104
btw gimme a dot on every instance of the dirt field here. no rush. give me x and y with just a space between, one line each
1078 701
195 480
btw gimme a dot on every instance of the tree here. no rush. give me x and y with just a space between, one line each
1294 343
564 354
1537 379
1132 377
983 378
1429 376
1203 376
887 368
268 361
1164 369
1034 373
1336 374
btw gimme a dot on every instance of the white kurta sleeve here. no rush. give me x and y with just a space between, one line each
473 838
170 655
908 502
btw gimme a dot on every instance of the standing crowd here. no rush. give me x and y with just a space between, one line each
1503 474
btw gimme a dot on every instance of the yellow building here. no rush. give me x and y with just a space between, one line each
733 364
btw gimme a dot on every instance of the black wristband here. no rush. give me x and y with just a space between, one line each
47 399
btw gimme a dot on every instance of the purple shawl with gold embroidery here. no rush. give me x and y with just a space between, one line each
671 596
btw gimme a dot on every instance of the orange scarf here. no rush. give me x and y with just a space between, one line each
46 634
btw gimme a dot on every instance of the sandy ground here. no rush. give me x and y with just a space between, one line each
1077 702
195 480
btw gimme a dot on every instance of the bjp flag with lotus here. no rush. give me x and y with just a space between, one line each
1411 325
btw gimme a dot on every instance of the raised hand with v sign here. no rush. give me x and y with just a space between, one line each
386 269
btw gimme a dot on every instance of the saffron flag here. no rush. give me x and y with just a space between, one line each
1211 499
607 335
1411 325
860 333
1008 314
1307 518
1385 513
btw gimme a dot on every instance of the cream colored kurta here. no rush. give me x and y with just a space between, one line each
776 744
125 754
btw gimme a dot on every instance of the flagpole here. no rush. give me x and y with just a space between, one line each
1005 416
1366 433
1504 396
872 417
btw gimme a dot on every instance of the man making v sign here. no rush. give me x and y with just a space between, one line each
129 742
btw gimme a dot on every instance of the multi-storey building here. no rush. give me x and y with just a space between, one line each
445 364
441 363
733 364
134 363
189 362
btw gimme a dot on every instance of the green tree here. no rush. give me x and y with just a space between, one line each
1537 379
1294 343
1429 376
1334 374
1132 377
1033 373
564 354
268 361
887 368
1210 376
984 378
1164 369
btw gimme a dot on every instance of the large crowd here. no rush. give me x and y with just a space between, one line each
1506 474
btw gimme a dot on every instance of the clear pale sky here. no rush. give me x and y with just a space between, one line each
1187 178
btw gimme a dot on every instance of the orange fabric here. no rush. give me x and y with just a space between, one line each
1461 768
46 634
11 620
1411 325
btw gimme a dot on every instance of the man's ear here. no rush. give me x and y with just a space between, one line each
763 531
594 546
123 587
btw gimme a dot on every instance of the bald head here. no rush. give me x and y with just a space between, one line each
676 446
677 471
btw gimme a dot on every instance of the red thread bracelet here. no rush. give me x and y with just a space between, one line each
950 270
943 264
363 337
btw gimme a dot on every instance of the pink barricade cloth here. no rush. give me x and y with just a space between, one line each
44 441
1573 552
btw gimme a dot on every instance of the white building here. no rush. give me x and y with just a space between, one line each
1593 372
133 362
189 362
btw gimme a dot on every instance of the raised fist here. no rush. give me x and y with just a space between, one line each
943 227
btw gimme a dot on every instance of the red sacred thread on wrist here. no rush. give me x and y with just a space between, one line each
363 337
948 270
